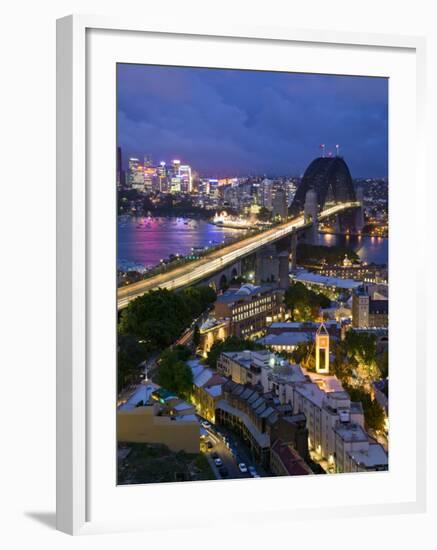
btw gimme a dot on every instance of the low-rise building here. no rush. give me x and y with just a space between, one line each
286 461
211 331
316 281
269 380
250 308
368 312
207 389
147 419
286 336
260 420
244 367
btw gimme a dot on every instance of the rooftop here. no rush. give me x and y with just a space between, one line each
351 433
310 325
245 291
374 456
141 394
314 278
262 439
291 460
286 338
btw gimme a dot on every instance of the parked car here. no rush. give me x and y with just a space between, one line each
242 467
206 424
218 462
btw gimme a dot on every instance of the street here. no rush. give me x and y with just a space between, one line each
231 451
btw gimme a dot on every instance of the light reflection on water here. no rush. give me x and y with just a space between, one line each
145 241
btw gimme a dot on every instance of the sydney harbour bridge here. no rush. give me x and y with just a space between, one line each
325 192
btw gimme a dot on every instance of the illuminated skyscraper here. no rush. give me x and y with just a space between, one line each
162 177
279 204
266 193
136 174
120 181
186 178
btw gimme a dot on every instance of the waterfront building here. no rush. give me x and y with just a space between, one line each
359 272
250 308
315 281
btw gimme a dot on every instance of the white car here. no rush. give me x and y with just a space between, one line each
206 424
218 461
242 467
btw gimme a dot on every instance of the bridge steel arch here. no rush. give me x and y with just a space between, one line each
330 178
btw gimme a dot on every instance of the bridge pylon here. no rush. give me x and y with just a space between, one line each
311 210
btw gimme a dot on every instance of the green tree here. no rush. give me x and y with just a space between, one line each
174 374
304 304
157 317
196 336
130 353
304 355
361 346
374 414
382 362
264 214
341 366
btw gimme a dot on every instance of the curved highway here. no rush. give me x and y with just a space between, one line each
193 272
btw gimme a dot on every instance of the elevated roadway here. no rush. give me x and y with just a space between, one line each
195 271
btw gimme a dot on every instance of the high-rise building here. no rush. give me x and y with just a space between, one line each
136 174
120 178
279 204
266 193
162 177
186 178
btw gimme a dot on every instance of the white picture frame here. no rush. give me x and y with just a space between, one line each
74 278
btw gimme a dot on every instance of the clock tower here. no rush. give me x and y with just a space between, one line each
322 350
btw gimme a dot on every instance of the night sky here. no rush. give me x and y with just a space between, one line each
232 122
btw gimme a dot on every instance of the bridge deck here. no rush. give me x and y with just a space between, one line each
194 272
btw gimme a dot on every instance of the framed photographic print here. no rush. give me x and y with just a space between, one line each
236 212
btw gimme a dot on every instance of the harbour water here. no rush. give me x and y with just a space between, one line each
143 242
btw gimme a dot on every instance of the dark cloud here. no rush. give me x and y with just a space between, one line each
226 122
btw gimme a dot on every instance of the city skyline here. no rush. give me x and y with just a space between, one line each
207 118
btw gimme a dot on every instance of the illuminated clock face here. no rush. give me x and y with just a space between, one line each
323 341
